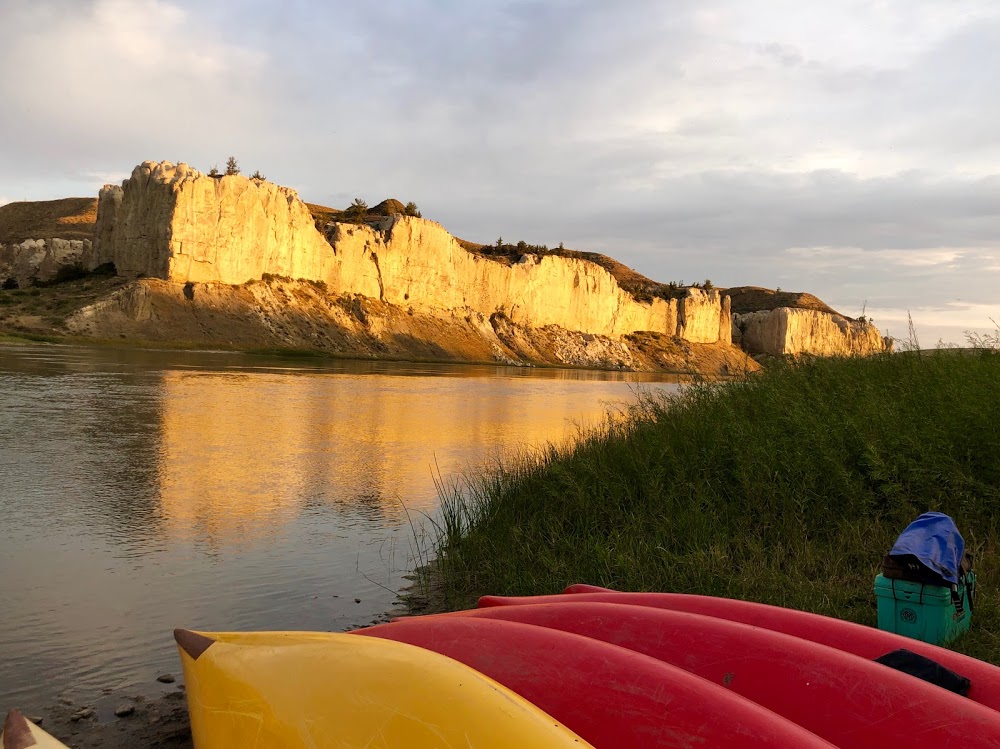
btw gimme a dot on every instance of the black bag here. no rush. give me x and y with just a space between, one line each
926 669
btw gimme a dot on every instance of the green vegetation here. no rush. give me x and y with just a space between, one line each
786 488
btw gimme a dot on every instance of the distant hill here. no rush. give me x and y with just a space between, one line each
68 218
388 207
756 298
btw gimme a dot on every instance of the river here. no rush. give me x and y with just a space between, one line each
146 490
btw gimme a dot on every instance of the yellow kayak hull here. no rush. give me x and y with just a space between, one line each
20 733
304 690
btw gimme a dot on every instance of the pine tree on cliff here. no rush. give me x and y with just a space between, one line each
231 166
357 210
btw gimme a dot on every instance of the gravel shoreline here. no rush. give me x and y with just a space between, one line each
128 721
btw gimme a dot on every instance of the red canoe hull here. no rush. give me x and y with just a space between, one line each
851 702
611 696
856 639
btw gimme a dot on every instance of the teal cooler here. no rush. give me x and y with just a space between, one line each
923 612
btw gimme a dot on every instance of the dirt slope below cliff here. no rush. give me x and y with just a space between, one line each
293 315
68 218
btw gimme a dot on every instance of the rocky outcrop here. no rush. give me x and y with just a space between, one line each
787 331
39 261
174 223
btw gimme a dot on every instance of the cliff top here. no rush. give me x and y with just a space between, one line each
745 299
68 218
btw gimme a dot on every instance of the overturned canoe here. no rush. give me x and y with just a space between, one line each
857 639
295 690
851 702
611 696
20 733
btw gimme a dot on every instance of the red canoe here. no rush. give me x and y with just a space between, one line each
611 696
857 639
851 702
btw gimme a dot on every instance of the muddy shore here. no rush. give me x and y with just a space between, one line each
156 722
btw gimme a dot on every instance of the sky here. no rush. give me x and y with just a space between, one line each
849 149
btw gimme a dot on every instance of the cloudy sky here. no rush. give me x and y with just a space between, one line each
846 148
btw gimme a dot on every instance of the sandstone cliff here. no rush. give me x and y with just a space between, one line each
788 331
174 223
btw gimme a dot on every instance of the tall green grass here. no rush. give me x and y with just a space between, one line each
786 488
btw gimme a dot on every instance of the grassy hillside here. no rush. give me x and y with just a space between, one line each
786 488
755 298
68 218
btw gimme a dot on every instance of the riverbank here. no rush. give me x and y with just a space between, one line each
786 488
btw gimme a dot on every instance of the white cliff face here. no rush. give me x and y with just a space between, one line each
39 260
171 221
414 262
174 223
787 331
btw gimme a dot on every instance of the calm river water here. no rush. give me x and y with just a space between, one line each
146 490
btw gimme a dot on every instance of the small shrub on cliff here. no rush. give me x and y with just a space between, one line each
357 209
708 285
258 176
232 168
214 171
412 210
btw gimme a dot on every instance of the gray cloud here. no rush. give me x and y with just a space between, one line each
848 149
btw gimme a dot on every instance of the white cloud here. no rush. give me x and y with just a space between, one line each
103 85
837 257
949 323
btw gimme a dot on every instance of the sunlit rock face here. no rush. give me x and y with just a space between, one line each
39 260
787 331
172 222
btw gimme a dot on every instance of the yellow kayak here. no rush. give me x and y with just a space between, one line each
305 690
20 733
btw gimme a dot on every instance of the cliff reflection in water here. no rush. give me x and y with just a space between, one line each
144 490
241 454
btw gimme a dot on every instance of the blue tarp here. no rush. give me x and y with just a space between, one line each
935 541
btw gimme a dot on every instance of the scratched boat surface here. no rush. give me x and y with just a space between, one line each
849 701
865 642
611 696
